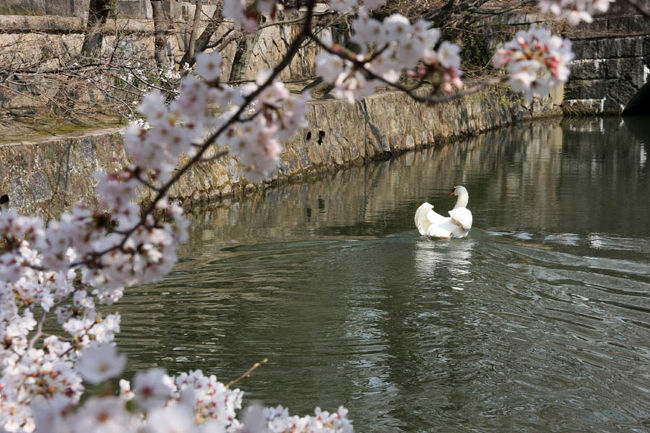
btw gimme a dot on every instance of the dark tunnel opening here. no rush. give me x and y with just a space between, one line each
640 103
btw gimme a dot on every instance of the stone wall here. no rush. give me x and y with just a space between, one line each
51 41
611 72
45 7
79 8
47 176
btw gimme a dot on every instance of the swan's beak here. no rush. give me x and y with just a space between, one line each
453 193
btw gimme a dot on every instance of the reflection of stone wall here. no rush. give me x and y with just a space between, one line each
50 175
381 195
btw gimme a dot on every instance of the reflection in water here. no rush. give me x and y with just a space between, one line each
450 260
537 322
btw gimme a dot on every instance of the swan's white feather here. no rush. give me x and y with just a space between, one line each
462 216
422 219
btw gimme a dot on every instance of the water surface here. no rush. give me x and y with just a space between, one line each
539 321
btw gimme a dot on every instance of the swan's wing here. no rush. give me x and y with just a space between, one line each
421 221
461 216
430 223
436 218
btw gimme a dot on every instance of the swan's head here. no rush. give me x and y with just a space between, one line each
462 194
459 191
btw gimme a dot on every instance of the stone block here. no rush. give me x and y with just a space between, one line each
626 69
588 69
587 49
585 89
599 24
628 24
619 93
135 9
621 47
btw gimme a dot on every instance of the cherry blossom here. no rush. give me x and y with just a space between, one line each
100 363
241 15
152 388
208 65
574 11
536 61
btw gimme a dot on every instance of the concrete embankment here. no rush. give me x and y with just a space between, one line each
53 173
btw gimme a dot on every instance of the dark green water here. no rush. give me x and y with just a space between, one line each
538 322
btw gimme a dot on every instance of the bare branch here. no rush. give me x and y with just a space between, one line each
39 331
639 7
248 373
215 157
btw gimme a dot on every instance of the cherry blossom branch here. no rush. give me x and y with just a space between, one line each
198 156
286 60
39 331
410 91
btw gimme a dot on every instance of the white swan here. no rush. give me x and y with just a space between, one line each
456 225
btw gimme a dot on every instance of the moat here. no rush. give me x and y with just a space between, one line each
538 321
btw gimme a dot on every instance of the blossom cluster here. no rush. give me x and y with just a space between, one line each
85 259
70 267
535 60
158 403
574 11
278 420
273 117
387 49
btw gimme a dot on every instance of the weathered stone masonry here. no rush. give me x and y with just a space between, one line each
611 73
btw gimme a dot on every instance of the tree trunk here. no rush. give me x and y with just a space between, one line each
441 15
160 26
243 55
203 40
195 29
98 12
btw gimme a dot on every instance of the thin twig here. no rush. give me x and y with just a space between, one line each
39 331
639 7
215 157
248 373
